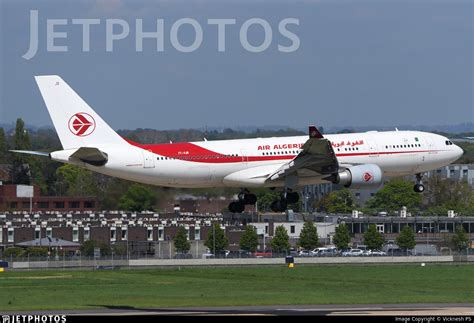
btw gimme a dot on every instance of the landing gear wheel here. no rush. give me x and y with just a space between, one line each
419 188
250 199
236 207
279 206
292 197
419 183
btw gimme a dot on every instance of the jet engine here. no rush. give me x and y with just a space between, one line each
360 176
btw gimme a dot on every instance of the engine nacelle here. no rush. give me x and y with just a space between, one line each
360 176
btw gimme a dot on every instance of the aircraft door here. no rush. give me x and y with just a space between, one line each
429 142
373 150
245 158
148 159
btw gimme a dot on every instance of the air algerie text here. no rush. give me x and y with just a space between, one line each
280 146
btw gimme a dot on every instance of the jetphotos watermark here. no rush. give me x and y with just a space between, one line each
117 30
33 318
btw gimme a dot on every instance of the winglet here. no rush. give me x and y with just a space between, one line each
314 133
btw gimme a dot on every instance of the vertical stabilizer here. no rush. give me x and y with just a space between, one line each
76 123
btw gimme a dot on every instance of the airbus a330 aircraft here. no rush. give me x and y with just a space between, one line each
287 163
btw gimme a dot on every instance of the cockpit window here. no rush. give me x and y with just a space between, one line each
448 142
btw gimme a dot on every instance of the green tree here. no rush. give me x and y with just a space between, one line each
265 198
216 240
13 252
105 249
249 240
394 195
342 237
372 238
119 249
87 248
112 190
460 239
75 181
138 198
406 238
37 251
309 238
181 243
447 194
341 201
280 241
20 164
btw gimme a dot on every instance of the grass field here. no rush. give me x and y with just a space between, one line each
237 286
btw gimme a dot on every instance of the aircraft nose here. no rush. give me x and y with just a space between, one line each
458 151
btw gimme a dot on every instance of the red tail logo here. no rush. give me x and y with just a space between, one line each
82 124
367 177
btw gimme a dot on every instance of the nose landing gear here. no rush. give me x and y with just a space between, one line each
419 187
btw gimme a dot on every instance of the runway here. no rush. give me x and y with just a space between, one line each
463 309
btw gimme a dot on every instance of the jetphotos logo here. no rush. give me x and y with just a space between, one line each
82 124
33 318
255 35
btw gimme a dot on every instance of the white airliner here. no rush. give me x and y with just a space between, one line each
287 163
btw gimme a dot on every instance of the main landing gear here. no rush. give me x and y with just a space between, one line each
245 198
419 187
280 205
286 198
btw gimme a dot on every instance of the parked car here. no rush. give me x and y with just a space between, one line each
341 251
207 255
377 253
304 253
325 252
353 253
263 254
316 252
329 252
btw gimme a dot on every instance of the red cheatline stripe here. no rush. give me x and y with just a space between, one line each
203 155
385 153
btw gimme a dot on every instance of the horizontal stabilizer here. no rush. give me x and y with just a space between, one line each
91 156
30 152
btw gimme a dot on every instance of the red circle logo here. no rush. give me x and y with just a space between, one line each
82 124
367 177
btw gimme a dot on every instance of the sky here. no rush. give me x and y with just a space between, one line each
358 63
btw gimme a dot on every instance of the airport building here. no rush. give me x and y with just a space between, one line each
28 199
456 172
151 234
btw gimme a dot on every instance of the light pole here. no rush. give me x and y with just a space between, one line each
214 239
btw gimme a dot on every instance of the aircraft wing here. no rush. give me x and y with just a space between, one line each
317 158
